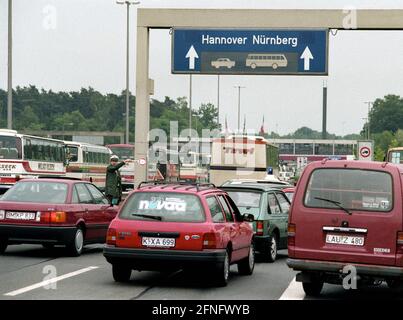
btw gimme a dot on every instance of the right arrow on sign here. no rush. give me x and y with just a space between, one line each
307 56
192 55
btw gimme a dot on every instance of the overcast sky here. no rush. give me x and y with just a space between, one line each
64 45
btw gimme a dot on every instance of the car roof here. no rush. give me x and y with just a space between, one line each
252 186
355 164
177 187
61 179
270 183
268 180
291 189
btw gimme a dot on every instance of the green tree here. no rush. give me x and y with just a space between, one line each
386 114
207 115
28 120
383 141
399 137
71 121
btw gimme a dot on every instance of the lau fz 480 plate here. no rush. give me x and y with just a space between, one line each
344 240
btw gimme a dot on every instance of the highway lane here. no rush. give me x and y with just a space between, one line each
25 272
23 266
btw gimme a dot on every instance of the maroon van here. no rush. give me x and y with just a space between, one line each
346 219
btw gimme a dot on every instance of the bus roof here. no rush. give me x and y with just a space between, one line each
9 131
88 145
120 145
14 133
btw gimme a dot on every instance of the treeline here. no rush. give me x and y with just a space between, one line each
386 124
385 127
308 133
90 110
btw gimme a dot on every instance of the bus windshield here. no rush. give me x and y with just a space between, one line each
123 152
10 147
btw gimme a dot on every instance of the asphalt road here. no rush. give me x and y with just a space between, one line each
24 270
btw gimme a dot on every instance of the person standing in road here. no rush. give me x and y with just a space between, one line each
113 184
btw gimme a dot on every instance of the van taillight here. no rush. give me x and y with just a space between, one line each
399 243
292 229
259 228
52 216
209 241
111 237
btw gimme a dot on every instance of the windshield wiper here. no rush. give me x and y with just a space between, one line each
336 203
147 216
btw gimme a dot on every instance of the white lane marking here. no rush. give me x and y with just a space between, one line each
48 282
293 292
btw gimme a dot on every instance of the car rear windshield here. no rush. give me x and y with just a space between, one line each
39 192
163 206
246 198
353 189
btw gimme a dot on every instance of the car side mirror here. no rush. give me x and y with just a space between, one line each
248 217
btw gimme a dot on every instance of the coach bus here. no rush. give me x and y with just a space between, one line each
242 157
124 152
26 156
87 162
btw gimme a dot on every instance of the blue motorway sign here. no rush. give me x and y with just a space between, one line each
248 51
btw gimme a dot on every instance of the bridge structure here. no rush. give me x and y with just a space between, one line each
155 18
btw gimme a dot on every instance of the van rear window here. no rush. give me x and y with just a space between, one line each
353 189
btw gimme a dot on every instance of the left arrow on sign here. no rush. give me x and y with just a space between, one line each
307 56
192 55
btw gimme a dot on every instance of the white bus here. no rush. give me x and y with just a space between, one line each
242 157
26 156
197 170
273 60
87 162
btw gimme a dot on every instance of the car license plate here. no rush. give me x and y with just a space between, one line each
345 240
20 215
158 242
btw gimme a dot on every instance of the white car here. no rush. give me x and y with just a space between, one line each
223 62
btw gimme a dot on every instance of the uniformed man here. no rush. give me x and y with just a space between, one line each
113 184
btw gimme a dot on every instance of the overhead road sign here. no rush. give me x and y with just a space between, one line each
249 51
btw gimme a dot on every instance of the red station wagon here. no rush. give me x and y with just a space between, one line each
347 214
54 212
180 226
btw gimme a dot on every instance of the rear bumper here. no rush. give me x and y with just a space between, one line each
156 259
262 243
36 234
337 268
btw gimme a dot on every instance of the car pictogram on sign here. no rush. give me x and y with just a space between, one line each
365 152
